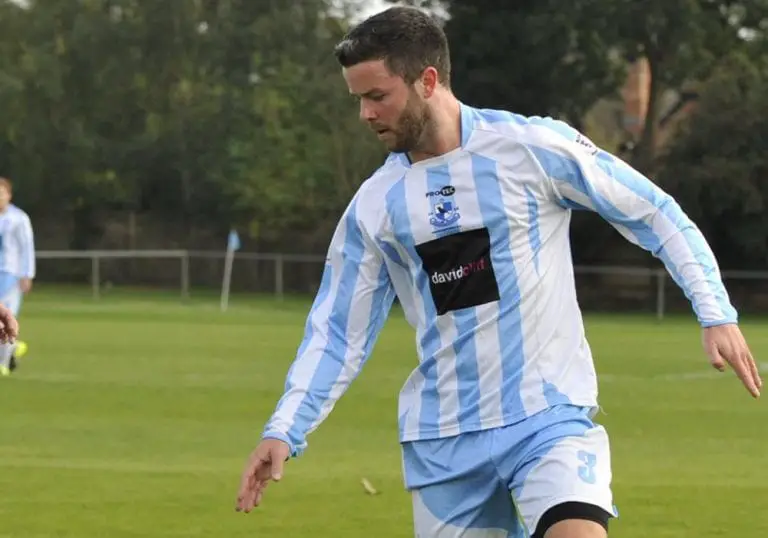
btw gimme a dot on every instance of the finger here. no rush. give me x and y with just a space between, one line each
716 359
249 499
754 370
247 485
261 486
277 467
246 479
242 498
753 375
743 372
255 494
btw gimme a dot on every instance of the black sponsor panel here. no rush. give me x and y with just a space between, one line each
460 271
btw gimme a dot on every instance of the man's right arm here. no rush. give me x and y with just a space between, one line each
350 309
26 240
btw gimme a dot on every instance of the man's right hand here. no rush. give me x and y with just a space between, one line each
9 326
264 464
25 284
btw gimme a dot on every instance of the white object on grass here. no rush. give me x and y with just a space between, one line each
368 487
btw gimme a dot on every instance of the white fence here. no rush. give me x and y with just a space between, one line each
182 256
658 277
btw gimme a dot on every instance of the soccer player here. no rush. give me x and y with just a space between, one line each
467 223
17 267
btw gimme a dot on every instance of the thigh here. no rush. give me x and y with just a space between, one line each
11 299
566 476
10 292
465 509
456 490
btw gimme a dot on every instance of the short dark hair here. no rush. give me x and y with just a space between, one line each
406 38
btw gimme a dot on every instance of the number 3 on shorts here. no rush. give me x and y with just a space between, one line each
587 471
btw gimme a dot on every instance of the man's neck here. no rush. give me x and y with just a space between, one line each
444 133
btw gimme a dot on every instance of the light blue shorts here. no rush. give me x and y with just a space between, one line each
10 292
499 482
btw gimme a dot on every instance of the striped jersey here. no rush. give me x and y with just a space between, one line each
17 243
475 245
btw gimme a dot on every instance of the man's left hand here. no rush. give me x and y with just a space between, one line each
726 345
25 284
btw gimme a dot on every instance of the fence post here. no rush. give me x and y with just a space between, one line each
185 275
661 284
95 276
279 276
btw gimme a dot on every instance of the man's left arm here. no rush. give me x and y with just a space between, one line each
583 176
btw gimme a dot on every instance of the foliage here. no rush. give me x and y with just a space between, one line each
683 41
718 167
205 110
528 56
220 112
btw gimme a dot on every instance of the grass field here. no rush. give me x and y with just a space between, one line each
132 417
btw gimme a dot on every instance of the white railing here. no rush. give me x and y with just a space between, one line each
97 255
658 276
183 257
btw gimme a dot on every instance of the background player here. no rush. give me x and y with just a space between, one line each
17 267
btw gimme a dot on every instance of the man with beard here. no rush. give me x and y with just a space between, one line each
467 224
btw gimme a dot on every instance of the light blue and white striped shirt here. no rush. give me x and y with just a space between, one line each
475 245
17 243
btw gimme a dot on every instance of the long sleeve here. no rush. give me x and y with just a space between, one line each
26 241
583 176
351 306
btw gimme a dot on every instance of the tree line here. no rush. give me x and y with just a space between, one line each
219 113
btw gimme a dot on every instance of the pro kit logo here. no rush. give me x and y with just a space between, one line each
443 209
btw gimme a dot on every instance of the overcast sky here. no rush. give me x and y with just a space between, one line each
374 6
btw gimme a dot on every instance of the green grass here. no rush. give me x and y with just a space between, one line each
132 417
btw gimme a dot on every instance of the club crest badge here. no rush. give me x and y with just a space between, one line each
443 209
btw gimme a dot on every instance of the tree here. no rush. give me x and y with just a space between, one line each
558 58
309 153
718 168
205 111
683 40
533 57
